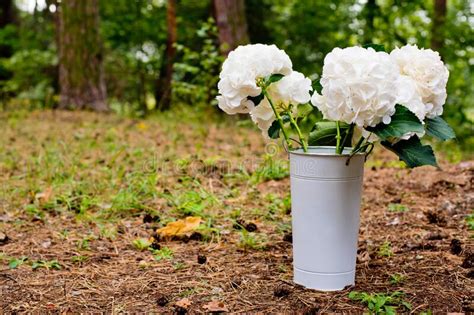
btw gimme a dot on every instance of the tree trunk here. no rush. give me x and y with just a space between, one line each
7 17
81 74
163 88
437 26
371 9
232 24
7 13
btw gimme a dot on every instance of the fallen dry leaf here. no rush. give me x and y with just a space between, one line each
215 306
184 303
44 196
180 227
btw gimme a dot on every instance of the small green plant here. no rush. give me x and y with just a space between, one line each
14 263
163 253
141 243
179 266
84 244
77 259
385 250
108 232
250 240
270 169
396 278
191 202
379 303
34 212
53 264
397 207
470 221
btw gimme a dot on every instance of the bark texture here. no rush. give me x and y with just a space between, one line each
81 74
232 24
437 27
163 89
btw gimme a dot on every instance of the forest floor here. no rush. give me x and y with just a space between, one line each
82 193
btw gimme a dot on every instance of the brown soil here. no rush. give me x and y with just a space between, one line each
116 277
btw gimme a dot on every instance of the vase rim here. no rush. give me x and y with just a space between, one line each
324 151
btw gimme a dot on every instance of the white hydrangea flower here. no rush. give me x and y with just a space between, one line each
241 70
263 116
429 75
408 96
359 86
291 89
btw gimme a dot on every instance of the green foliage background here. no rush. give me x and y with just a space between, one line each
134 33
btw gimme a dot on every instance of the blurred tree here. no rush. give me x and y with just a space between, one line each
7 13
80 56
256 13
371 10
231 23
163 89
437 26
7 19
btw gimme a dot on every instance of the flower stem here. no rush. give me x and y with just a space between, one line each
348 133
298 131
338 139
278 117
359 143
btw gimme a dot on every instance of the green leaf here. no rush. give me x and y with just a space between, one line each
274 130
403 122
256 99
304 110
317 87
273 78
412 152
324 133
439 128
376 47
16 262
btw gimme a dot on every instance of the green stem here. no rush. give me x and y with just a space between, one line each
348 132
359 143
298 131
338 139
278 117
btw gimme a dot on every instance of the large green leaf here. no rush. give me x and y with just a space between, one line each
439 128
403 122
324 133
412 152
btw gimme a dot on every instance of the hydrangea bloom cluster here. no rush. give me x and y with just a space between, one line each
423 78
240 71
359 86
293 89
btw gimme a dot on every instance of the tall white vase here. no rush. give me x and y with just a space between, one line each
325 199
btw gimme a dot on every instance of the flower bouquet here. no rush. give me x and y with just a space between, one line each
364 96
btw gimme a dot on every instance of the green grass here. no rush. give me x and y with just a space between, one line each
397 207
385 250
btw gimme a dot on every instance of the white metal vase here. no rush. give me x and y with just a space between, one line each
325 198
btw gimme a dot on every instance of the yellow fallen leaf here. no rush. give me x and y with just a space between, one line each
184 303
180 227
142 126
44 196
215 307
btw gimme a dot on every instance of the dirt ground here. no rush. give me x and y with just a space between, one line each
79 188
